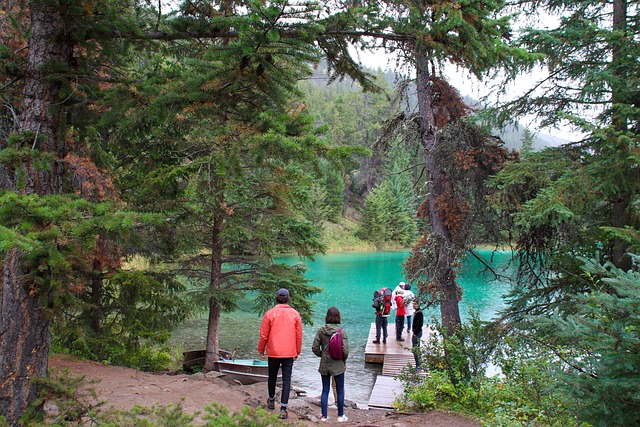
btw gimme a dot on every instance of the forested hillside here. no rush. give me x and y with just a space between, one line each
355 117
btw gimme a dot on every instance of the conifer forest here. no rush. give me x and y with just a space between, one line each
155 157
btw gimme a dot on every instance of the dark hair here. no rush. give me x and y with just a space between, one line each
282 299
333 316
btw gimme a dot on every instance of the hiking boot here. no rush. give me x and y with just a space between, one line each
377 341
283 414
399 339
271 403
384 341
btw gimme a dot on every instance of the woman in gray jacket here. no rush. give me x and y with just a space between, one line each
330 367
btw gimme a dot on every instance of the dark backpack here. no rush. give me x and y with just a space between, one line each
385 294
335 345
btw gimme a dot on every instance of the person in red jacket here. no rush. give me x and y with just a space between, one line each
281 338
401 311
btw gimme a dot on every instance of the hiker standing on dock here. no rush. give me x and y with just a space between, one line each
281 337
332 346
401 311
416 338
382 306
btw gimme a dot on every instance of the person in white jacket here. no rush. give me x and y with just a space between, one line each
409 297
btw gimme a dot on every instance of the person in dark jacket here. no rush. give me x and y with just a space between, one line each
381 318
416 328
330 367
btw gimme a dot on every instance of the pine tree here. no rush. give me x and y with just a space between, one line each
600 350
426 34
48 52
527 141
577 202
584 191
388 217
234 162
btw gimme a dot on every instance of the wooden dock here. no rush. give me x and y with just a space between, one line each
394 357
375 353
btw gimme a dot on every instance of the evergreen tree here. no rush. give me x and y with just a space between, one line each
374 218
54 242
235 159
581 201
602 363
425 35
388 217
527 141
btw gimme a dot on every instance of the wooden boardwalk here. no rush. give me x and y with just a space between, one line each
384 392
394 357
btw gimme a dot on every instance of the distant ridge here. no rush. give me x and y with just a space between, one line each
511 135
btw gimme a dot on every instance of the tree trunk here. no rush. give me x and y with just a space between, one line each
212 347
42 111
24 333
620 214
24 340
444 276
97 291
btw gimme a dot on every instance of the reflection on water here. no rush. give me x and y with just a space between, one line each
348 281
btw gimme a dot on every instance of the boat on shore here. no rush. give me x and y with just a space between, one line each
247 371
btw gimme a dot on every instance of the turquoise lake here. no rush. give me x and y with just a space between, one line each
348 280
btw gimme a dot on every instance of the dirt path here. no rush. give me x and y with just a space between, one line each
122 388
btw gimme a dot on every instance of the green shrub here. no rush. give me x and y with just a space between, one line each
163 416
146 358
435 391
465 355
527 392
219 416
138 310
70 397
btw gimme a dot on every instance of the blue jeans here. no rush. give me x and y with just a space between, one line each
381 324
409 318
326 386
287 367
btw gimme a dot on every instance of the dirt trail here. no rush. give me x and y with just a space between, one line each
122 388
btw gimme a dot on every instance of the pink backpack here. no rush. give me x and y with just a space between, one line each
335 345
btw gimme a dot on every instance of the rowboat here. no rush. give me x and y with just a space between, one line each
247 371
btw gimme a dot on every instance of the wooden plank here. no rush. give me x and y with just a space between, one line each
395 363
385 391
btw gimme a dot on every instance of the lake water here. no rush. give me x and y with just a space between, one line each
348 280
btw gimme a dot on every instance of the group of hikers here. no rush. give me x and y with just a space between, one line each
281 341
404 301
